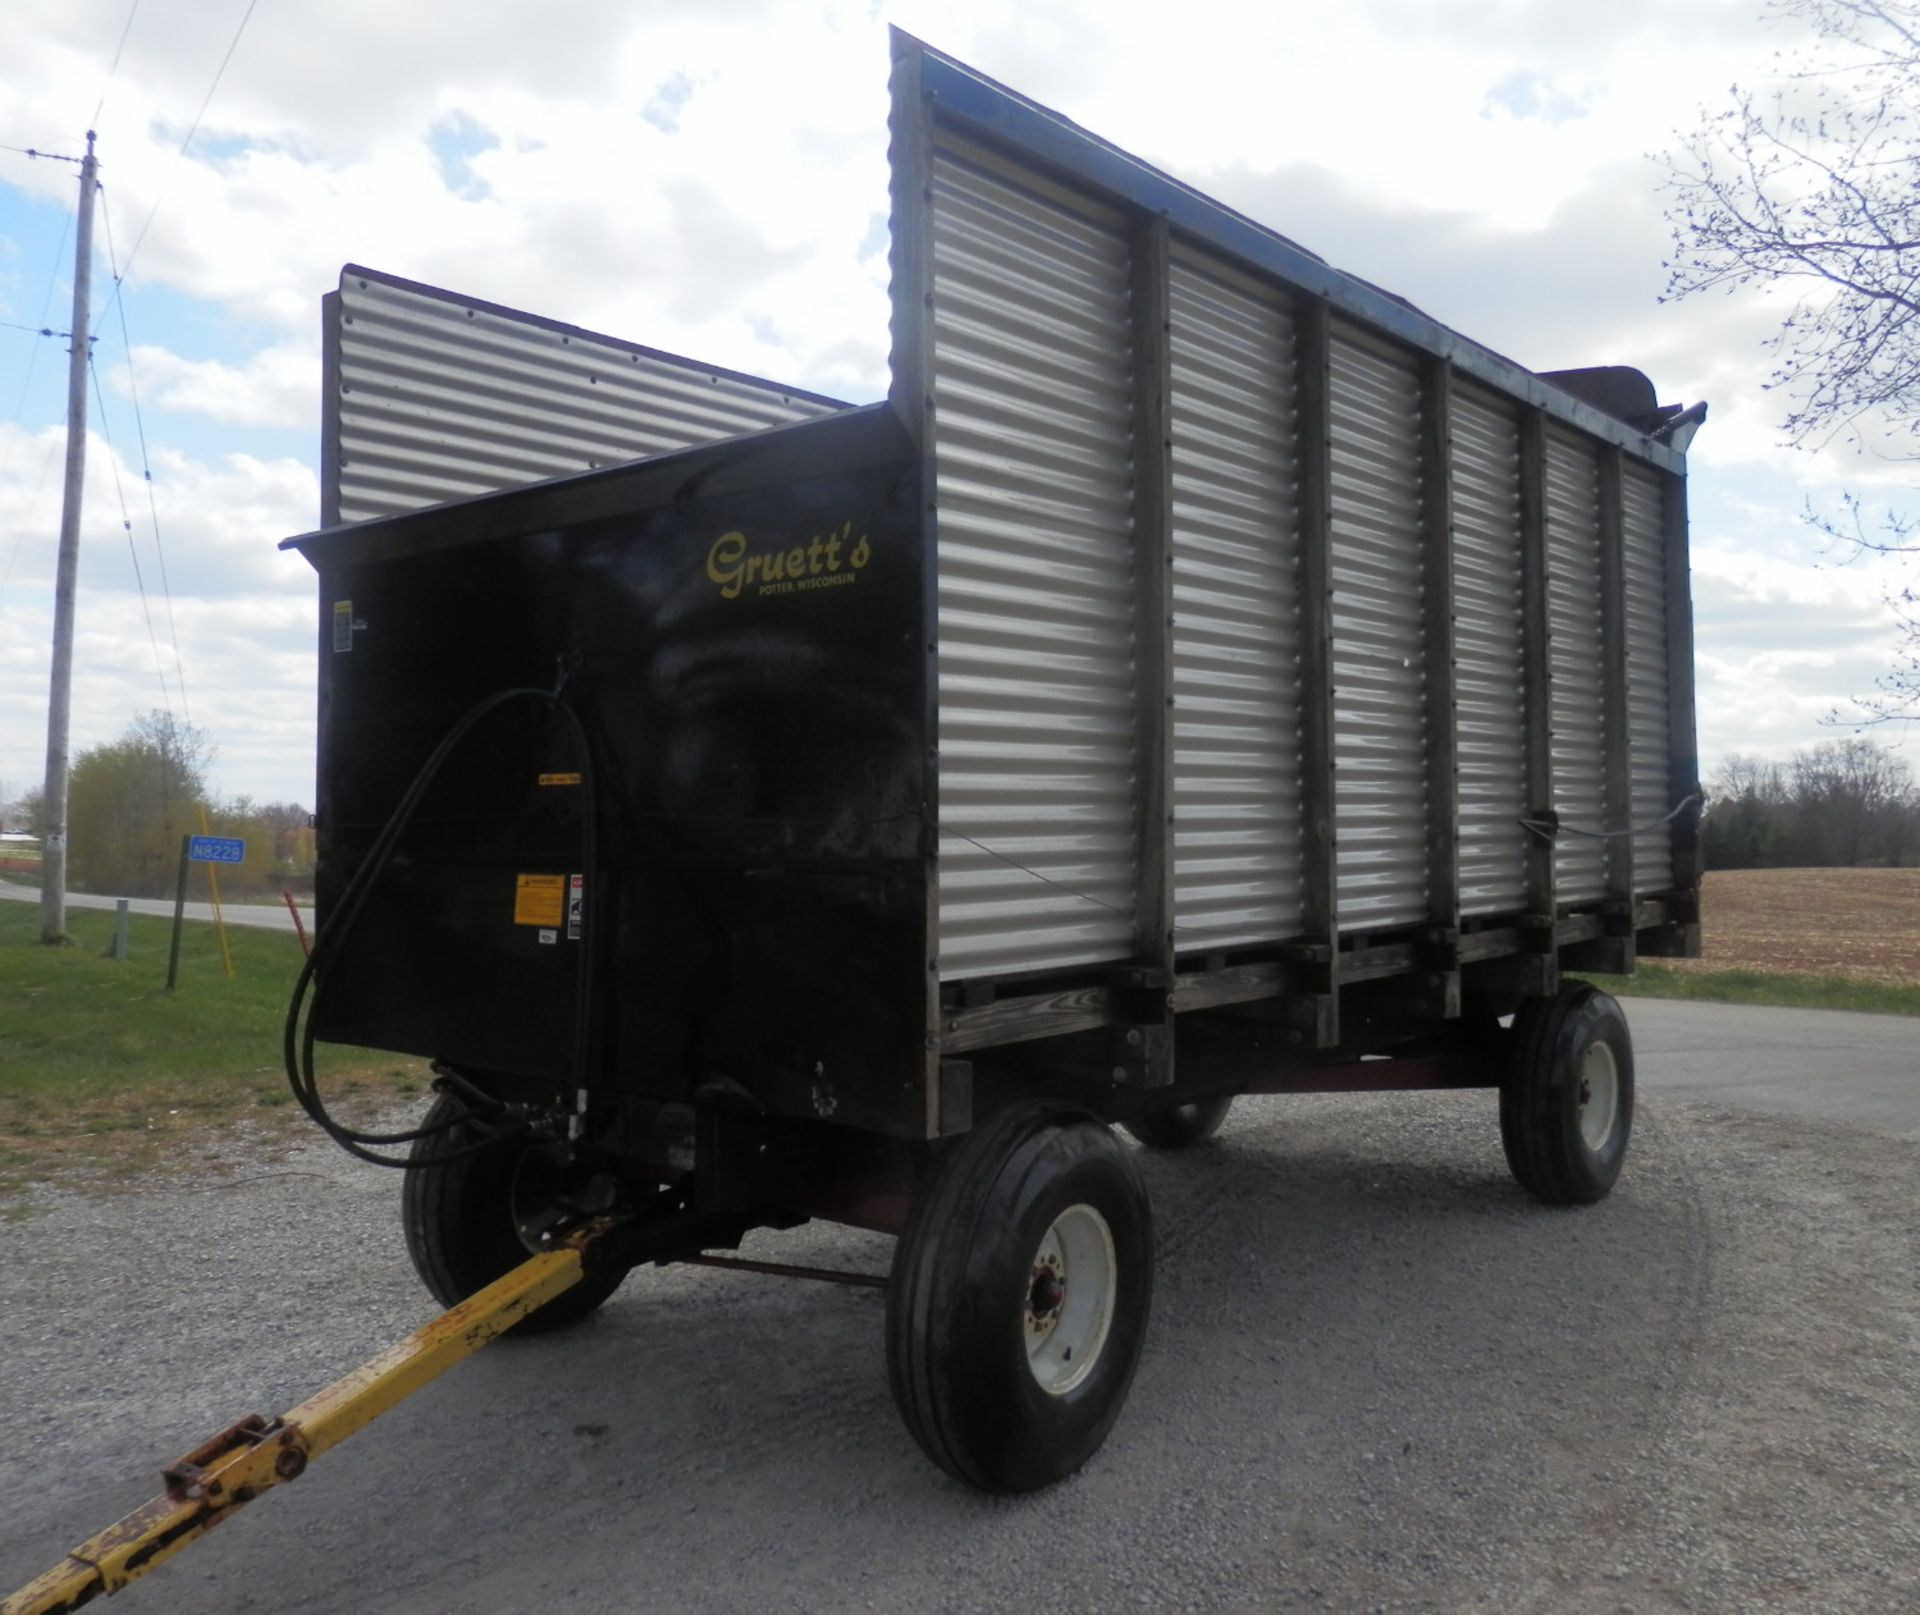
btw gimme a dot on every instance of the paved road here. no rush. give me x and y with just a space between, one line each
263 916
1860 1069
1378 1377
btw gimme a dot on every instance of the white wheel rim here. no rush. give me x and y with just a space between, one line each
1069 1301
1599 1096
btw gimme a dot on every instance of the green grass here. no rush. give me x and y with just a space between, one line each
102 1067
1761 987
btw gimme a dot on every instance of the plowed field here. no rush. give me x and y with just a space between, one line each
1863 923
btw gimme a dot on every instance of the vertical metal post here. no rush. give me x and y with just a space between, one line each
1318 970
946 1085
213 886
118 948
1150 1060
53 867
1683 768
179 915
1536 663
1442 962
299 927
1616 729
332 312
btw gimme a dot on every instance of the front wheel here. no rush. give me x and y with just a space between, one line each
471 1219
1566 1104
1019 1298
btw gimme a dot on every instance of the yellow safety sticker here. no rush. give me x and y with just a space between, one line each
559 779
540 900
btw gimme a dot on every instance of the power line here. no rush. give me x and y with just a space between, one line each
32 330
26 385
46 302
126 523
132 12
50 156
206 100
146 466
26 521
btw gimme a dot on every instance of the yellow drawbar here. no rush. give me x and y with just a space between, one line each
210 1483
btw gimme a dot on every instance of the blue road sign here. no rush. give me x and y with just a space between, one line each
216 849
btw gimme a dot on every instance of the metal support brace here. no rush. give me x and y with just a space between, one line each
1683 775
1317 985
1144 1051
1536 661
1680 937
1441 950
1613 951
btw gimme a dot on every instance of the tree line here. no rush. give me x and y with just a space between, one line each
130 800
1844 802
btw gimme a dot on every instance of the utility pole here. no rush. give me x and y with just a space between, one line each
53 865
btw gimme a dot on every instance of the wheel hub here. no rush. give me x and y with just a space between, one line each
1597 1091
1070 1299
1046 1295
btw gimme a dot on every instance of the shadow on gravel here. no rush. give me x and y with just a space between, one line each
1372 1359
1368 1350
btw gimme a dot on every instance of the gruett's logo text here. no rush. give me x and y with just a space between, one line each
826 561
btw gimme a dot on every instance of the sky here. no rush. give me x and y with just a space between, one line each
709 177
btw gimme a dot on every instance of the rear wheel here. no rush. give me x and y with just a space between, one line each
470 1220
1566 1104
1019 1299
1179 1127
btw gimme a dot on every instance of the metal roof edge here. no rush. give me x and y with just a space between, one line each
1004 117
563 328
726 464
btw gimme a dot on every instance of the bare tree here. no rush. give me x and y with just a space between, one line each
1851 789
1743 828
1844 802
1810 186
1753 777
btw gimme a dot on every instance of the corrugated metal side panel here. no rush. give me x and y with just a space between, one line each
1579 708
1380 773
1646 580
1236 594
440 399
1490 713
1033 436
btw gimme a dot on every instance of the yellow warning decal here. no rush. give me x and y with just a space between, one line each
559 779
540 900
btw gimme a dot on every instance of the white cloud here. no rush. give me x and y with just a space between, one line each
241 612
276 387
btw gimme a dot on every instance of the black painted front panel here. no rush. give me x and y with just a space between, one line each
742 645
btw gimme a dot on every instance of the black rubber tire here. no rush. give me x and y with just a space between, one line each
459 1222
1541 1096
1180 1127
962 1273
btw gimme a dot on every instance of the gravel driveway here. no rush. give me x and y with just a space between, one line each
1378 1378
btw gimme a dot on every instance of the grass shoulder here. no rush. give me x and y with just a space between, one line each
1762 987
104 1074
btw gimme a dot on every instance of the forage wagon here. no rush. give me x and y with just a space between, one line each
1202 674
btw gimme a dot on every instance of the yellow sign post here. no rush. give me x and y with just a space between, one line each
213 884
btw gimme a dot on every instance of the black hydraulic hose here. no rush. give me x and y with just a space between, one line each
297 1042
